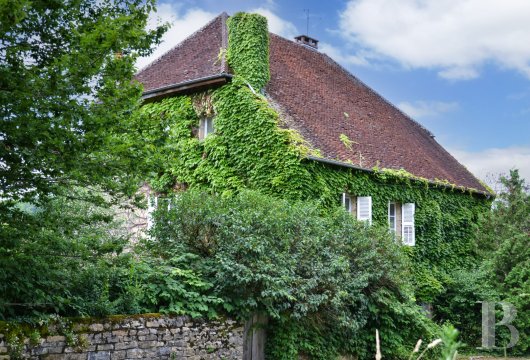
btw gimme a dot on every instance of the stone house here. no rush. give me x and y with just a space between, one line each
311 130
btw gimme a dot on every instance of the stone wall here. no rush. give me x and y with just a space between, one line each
135 337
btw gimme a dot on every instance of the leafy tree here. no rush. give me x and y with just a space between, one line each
66 92
501 272
505 232
66 98
504 242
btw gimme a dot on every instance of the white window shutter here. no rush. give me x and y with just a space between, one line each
346 202
408 232
364 208
392 217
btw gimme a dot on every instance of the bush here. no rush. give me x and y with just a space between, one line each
327 282
460 303
58 257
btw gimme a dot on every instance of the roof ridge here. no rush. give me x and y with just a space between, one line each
223 16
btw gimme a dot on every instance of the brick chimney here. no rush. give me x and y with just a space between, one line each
306 40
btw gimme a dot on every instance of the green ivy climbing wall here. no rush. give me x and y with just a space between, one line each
250 150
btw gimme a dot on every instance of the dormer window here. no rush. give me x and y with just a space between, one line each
206 127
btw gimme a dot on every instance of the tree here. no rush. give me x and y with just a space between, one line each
66 98
501 271
504 243
66 92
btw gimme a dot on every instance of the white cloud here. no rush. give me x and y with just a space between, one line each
341 57
459 73
182 25
488 164
455 37
277 25
425 109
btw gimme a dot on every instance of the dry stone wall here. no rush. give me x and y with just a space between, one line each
138 337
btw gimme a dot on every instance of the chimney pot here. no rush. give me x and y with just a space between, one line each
306 40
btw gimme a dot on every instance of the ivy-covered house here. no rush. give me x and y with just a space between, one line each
234 106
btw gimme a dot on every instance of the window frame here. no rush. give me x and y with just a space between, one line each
204 128
393 229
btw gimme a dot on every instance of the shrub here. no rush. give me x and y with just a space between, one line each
326 281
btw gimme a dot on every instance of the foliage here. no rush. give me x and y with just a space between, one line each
500 273
61 260
67 96
171 285
328 273
56 57
459 303
247 143
503 241
248 48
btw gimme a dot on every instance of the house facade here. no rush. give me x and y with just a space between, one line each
235 107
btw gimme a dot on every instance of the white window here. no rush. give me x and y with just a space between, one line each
407 224
346 202
364 208
392 220
206 127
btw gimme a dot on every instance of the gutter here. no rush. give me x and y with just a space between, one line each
186 86
430 182
339 163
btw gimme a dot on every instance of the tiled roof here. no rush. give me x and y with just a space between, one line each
323 102
196 57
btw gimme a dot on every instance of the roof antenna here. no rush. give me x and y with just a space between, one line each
307 21
305 39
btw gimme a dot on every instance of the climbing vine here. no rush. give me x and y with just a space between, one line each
248 48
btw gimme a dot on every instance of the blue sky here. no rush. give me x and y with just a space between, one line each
459 67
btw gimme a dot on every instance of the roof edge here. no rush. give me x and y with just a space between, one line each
207 81
416 179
